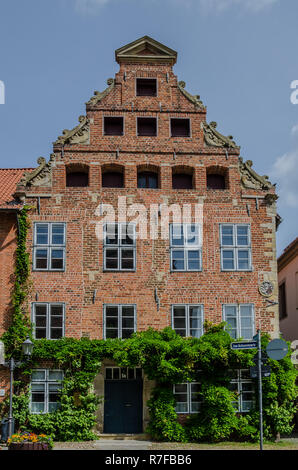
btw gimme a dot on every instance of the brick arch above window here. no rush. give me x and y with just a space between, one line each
183 177
113 176
217 177
77 175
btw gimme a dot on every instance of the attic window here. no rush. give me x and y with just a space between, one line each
180 127
113 125
215 181
182 178
146 126
77 177
146 87
112 179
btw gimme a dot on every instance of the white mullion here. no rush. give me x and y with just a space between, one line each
120 321
48 321
187 320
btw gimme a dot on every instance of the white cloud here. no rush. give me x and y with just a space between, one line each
285 172
220 5
294 130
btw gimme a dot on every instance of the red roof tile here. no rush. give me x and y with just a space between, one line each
9 177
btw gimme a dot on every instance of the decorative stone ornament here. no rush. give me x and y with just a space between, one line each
214 139
99 95
78 135
266 288
250 179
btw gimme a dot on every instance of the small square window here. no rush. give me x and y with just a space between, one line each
180 127
113 125
146 126
146 87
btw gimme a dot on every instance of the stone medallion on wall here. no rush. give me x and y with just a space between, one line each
266 288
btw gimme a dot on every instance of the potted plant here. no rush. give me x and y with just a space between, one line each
29 441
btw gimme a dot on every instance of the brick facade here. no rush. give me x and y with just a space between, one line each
84 286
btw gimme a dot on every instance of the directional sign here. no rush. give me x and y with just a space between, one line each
244 345
265 371
264 358
277 349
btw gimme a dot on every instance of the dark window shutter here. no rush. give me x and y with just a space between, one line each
76 179
216 182
112 179
182 181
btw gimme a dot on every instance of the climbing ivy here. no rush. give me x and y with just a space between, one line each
165 357
20 326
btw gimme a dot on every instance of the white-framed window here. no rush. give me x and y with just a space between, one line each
119 321
119 247
48 320
45 388
49 246
186 247
242 385
235 240
188 397
240 319
188 320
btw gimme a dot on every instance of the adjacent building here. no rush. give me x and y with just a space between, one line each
143 147
288 291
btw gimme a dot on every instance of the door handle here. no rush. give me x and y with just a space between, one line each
127 404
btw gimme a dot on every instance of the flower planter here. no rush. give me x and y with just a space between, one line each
28 446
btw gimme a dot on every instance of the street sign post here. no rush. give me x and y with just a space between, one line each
277 349
244 345
266 371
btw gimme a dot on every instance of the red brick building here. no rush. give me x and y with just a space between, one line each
146 139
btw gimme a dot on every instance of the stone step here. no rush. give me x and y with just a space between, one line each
122 437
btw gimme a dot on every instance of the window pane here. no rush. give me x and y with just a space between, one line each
37 407
246 311
57 234
177 237
178 260
243 259
57 259
38 375
56 333
179 323
242 235
111 259
111 333
179 311
55 375
228 259
112 311
111 234
112 322
128 311
227 235
193 260
109 373
42 234
182 181
40 333
116 373
56 309
192 234
41 259
112 179
128 323
127 333
127 234
180 388
127 259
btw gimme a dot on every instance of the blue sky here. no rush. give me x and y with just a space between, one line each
240 55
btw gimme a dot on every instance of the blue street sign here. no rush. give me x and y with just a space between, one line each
244 345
